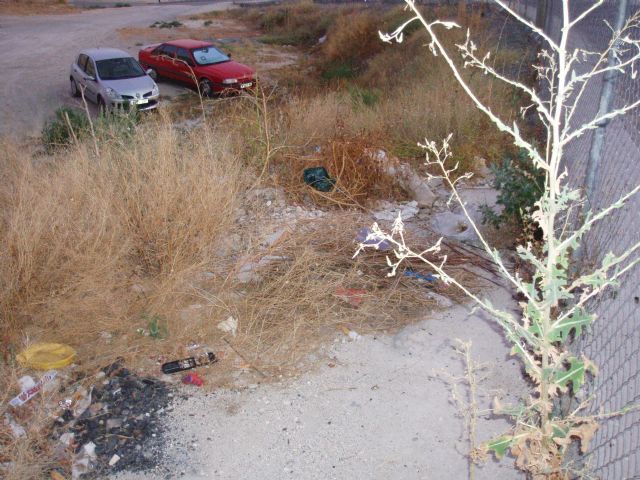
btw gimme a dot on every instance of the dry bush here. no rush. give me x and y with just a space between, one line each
351 161
312 119
76 229
353 38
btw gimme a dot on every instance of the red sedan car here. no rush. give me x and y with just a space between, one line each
197 63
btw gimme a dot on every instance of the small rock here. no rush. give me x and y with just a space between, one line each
480 168
355 336
114 423
441 300
115 459
230 325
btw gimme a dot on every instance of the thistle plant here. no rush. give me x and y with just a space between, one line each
556 305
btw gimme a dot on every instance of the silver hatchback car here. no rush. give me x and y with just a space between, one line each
113 80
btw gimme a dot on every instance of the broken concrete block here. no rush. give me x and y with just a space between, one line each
453 225
407 178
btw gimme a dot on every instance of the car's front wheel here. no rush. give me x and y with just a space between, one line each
75 92
205 87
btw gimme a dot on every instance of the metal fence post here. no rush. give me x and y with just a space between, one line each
606 103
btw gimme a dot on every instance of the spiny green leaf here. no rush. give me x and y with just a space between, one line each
578 321
528 255
559 431
500 445
574 374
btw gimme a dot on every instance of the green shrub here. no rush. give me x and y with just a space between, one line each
68 122
71 124
520 186
339 70
366 97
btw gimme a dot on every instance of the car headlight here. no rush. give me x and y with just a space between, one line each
155 91
229 81
111 93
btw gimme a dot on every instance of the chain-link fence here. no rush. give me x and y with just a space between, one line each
614 344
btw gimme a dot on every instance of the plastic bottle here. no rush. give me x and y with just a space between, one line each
189 363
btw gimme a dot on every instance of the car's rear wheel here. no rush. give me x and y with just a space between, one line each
205 87
75 92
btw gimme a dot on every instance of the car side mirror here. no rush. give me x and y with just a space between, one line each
152 73
229 54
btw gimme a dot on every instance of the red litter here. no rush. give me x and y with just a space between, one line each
192 379
353 296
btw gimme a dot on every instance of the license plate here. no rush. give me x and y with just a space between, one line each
245 85
143 101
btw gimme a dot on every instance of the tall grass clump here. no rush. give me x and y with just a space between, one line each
77 228
297 23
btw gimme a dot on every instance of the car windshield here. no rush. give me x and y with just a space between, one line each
119 68
209 56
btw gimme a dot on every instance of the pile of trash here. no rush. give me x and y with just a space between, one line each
115 424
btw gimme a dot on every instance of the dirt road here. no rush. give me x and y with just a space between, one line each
37 51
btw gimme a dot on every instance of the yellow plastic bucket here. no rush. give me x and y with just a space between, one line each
46 356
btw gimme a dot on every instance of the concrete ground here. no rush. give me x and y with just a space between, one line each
39 49
382 412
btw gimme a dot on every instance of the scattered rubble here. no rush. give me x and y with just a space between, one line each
269 196
407 178
480 167
388 211
293 213
248 270
15 428
84 461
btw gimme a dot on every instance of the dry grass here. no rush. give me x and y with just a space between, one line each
353 38
76 229
297 23
35 7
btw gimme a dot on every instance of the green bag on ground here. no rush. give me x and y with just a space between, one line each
318 178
